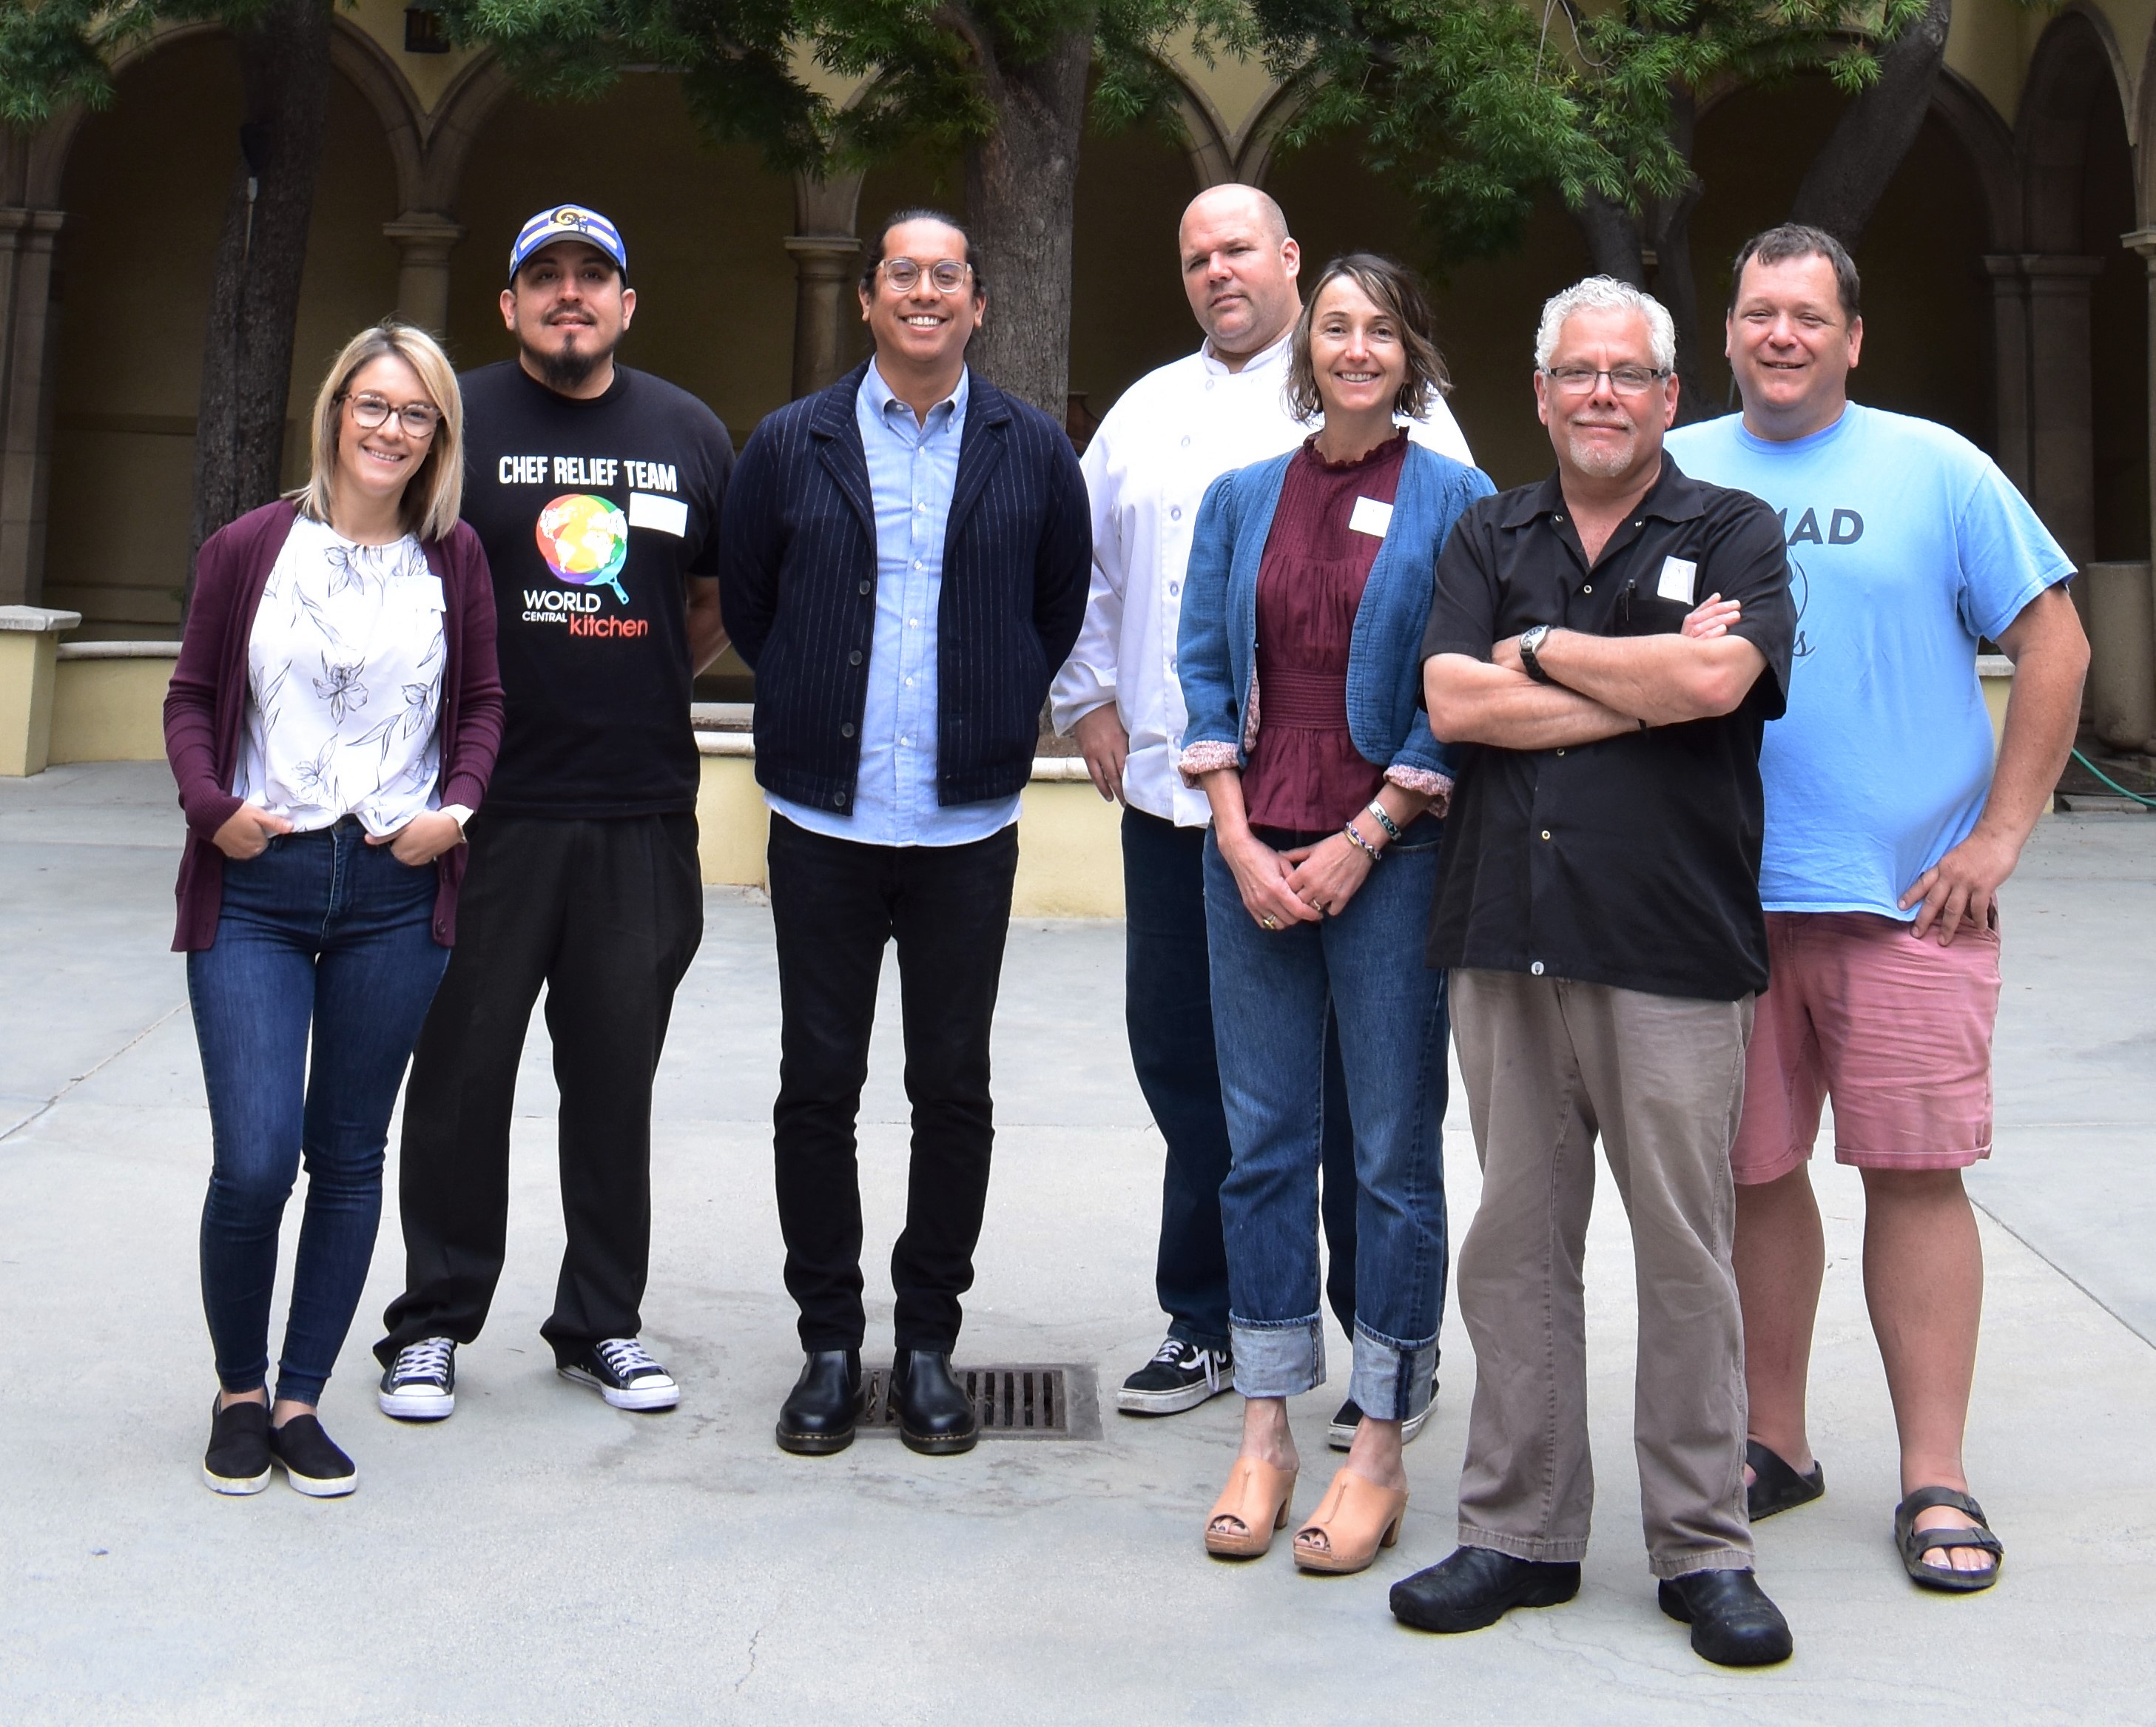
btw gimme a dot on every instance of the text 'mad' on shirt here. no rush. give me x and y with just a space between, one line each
1906 546
593 515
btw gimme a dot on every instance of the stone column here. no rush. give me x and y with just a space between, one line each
423 241
2061 432
26 397
823 268
29 637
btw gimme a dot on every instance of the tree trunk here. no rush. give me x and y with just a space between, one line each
254 288
1613 239
1020 187
1843 185
1674 284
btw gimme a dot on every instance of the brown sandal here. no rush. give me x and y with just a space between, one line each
1355 1519
1256 1496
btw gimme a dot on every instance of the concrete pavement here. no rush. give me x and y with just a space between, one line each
540 1558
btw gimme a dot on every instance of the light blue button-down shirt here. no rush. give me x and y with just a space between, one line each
913 471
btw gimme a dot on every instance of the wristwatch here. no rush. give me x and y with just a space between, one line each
1530 640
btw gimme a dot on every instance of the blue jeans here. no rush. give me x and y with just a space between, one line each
1167 999
1272 991
323 931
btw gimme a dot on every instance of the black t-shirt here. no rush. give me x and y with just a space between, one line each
594 513
1633 862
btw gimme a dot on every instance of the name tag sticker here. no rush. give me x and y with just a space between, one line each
425 591
1678 576
1370 517
665 515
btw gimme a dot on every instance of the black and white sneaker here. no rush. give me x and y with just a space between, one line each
1180 1376
238 1460
421 1383
621 1371
1346 1419
312 1462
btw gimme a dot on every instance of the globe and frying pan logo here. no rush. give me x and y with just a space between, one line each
585 542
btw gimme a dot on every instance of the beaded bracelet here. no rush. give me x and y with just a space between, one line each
1384 821
1370 850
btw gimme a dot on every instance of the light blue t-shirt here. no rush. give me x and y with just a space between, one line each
1906 544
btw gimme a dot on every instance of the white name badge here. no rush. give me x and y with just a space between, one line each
1370 517
1678 576
666 516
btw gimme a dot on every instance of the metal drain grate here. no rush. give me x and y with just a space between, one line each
1014 1402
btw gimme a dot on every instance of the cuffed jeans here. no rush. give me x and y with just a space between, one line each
1273 992
1548 1064
1167 1006
324 933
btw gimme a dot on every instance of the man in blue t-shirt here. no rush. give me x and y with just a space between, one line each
1889 831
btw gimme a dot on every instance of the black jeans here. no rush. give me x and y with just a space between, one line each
607 915
835 903
1168 998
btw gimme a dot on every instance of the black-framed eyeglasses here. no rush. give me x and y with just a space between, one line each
1624 380
420 420
948 274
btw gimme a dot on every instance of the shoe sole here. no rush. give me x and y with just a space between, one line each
415 1406
1545 1594
1168 1403
815 1445
335 1487
941 1444
1339 1438
235 1485
643 1402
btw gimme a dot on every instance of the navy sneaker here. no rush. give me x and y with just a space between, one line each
421 1383
621 1371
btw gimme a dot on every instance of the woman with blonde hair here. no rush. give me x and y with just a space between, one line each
331 723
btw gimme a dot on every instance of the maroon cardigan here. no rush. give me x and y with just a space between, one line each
206 707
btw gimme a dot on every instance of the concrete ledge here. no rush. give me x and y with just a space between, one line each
29 637
1070 842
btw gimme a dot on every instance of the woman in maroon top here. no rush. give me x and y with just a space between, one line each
1300 659
331 724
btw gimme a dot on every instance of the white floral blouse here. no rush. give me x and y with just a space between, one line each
344 684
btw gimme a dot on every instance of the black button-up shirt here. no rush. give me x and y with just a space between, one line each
1633 862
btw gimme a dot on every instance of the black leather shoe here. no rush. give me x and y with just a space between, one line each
1732 1622
1477 1586
818 1414
935 1415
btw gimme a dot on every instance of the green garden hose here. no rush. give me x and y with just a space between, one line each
2145 803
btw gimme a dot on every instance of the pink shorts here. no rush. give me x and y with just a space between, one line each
1897 1032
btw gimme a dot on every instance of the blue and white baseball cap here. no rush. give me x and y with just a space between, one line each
572 222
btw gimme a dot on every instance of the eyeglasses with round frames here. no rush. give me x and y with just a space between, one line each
1624 380
948 274
418 419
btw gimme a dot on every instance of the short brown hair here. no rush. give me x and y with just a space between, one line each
1396 291
434 494
1796 239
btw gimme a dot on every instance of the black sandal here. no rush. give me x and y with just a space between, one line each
1775 1486
1916 1543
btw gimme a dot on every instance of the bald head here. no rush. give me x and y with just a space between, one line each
1238 269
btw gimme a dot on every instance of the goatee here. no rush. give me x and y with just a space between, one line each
570 369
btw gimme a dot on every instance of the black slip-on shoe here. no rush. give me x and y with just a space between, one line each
238 1460
817 1416
1180 1376
1732 1622
1477 1586
1776 1486
312 1462
936 1417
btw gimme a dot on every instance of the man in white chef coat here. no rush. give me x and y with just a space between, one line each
1170 436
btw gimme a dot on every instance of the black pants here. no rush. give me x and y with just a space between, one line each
835 903
608 916
1168 1004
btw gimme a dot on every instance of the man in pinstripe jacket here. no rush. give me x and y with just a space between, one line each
904 563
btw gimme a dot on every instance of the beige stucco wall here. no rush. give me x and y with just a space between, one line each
110 709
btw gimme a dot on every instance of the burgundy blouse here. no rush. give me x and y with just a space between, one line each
1304 772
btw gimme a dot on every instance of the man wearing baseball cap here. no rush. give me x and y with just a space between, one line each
596 491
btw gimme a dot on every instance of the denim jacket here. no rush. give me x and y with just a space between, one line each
1216 646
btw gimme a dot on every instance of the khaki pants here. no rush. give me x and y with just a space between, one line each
1549 1064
